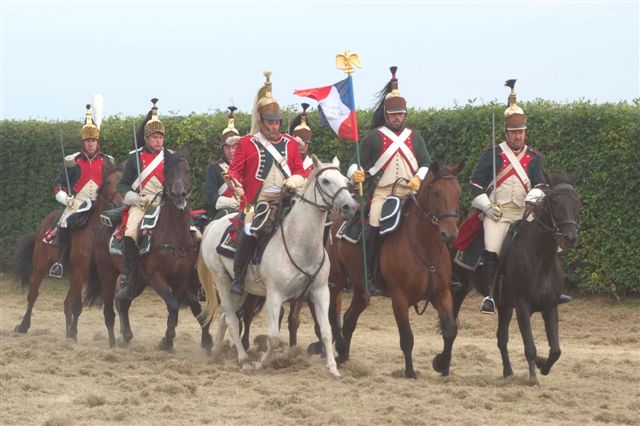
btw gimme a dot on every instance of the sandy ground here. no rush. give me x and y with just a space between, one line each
47 379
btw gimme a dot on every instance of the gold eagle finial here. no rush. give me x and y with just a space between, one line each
347 61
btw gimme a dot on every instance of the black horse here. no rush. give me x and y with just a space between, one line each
533 275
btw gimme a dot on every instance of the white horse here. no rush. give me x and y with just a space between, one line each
294 265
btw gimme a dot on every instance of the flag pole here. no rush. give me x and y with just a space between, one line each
345 62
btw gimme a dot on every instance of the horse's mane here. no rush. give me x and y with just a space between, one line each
555 178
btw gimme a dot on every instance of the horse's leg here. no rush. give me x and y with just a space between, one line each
73 301
320 298
221 330
37 276
206 341
358 304
523 314
294 322
272 307
231 321
443 303
504 319
317 348
459 295
107 289
160 285
401 313
550 317
123 305
249 306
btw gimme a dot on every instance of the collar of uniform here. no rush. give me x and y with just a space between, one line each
86 157
262 137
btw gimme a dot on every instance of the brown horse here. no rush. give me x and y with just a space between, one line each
533 276
169 268
414 263
35 257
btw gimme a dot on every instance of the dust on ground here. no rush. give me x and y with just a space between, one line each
46 379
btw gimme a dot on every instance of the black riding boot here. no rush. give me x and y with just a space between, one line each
64 247
246 246
490 269
373 247
128 285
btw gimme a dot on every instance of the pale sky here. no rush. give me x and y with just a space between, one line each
197 56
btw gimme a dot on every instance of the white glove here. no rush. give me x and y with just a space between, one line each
482 202
534 196
64 198
227 203
294 182
132 198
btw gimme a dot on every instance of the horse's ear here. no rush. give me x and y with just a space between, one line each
434 167
457 168
575 177
316 163
335 162
185 150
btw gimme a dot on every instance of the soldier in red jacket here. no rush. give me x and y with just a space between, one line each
301 132
265 161
84 170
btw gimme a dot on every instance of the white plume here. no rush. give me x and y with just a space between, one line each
97 104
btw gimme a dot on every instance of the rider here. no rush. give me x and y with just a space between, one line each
265 161
141 192
300 130
84 170
519 177
389 153
219 194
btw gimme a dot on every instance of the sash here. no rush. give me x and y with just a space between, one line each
280 161
308 162
514 163
223 188
398 144
145 174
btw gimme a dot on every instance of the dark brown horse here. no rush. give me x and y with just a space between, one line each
35 257
414 263
533 276
169 268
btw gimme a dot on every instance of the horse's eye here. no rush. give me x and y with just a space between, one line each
325 181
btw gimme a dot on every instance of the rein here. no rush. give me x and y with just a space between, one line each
430 216
323 208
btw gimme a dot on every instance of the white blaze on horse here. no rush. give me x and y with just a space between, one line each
294 264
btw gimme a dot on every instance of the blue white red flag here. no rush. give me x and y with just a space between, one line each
336 106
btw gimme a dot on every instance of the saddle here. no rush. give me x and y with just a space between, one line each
77 219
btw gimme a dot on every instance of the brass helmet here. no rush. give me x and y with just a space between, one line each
89 130
299 127
394 102
265 106
154 124
514 118
230 130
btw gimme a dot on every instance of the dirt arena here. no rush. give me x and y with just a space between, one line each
46 379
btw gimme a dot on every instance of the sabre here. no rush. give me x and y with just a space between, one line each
493 146
135 150
64 165
233 183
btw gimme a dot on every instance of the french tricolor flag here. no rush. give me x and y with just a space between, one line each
336 106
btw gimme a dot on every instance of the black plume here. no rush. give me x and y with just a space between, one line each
140 130
154 101
377 119
295 123
510 83
304 106
231 109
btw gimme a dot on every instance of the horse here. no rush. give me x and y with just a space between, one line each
292 266
169 268
533 275
35 257
414 264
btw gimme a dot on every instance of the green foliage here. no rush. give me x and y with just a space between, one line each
600 141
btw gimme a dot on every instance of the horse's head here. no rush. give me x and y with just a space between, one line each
107 192
560 208
439 199
329 188
177 177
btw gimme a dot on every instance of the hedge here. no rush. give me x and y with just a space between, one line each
600 140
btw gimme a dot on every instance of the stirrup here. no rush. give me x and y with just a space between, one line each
237 287
56 270
488 306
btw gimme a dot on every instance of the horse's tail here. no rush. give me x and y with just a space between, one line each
209 288
24 258
93 291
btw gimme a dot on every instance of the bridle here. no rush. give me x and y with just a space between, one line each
327 199
545 205
425 213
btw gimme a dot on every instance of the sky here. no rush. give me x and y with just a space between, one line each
200 56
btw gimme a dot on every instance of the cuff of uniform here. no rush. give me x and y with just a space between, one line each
422 172
352 168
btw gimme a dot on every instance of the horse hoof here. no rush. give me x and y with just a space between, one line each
334 372
441 365
507 373
166 344
533 381
314 348
21 328
341 359
257 366
207 343
410 375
